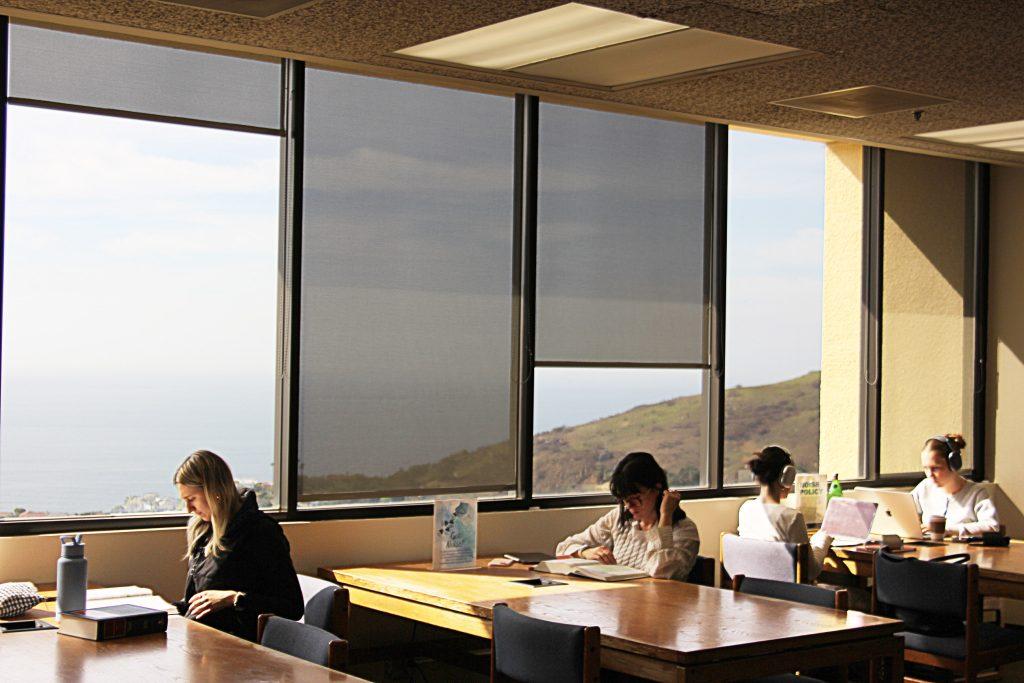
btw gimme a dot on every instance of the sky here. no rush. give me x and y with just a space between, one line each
141 276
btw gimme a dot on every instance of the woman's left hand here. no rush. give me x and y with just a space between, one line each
201 604
669 504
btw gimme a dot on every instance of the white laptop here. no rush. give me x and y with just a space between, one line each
897 512
848 521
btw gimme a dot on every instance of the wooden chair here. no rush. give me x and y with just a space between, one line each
774 560
326 605
302 640
940 605
527 649
703 572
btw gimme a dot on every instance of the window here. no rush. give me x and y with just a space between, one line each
139 285
926 298
621 332
774 299
406 333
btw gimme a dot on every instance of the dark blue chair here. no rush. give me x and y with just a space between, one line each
326 605
939 603
794 592
302 640
703 572
529 650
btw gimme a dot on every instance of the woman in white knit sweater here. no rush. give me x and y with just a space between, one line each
944 492
767 519
647 531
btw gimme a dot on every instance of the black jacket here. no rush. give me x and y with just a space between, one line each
257 563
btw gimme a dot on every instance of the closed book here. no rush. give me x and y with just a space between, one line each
115 621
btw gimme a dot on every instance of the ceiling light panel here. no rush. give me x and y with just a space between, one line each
979 135
259 9
664 56
549 34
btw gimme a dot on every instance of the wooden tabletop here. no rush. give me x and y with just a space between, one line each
1007 562
189 651
667 620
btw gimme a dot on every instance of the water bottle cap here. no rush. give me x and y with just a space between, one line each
72 546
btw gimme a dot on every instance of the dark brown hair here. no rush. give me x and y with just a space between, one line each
768 463
633 471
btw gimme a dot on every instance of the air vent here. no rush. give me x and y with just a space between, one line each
867 100
257 9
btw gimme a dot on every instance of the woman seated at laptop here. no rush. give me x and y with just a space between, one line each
966 505
239 564
647 531
767 519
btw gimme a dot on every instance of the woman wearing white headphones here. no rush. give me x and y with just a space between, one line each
766 518
944 492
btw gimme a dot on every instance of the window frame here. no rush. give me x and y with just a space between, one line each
524 234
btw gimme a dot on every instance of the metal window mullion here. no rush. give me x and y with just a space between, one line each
4 26
978 216
526 163
716 170
871 310
295 84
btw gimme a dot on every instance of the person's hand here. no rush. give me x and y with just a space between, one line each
669 504
206 602
925 530
600 553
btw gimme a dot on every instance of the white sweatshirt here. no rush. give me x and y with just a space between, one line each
775 522
662 552
970 511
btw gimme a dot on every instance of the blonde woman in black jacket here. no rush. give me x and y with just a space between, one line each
239 561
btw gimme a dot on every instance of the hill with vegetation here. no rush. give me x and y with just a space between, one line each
582 457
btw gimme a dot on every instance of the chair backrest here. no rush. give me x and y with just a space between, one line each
326 605
930 597
529 650
703 572
794 592
302 640
774 560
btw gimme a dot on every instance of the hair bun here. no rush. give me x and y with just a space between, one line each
957 440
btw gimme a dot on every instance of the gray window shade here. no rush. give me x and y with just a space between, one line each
105 73
620 253
406 332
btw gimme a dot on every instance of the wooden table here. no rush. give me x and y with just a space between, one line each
189 651
661 630
1000 570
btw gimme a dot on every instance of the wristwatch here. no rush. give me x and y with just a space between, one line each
240 601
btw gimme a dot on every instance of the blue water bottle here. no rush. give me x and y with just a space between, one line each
72 574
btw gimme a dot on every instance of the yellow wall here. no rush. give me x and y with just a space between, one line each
923 347
153 557
841 312
1005 390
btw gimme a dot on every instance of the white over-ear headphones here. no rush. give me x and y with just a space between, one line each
787 476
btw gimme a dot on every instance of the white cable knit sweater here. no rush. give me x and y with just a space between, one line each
662 552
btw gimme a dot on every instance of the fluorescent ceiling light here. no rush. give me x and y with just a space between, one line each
983 136
1015 145
556 32
862 101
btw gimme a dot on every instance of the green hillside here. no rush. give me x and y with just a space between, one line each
581 458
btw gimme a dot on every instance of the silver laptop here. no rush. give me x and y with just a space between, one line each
848 521
897 512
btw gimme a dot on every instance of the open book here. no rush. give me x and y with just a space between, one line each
99 598
591 569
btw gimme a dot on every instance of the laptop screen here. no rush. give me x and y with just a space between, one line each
848 518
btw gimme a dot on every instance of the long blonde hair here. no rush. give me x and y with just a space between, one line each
208 471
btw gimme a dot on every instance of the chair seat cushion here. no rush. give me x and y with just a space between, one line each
990 637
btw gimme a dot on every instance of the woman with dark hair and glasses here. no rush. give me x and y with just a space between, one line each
647 531
766 518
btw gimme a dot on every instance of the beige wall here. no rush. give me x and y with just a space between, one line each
923 346
153 557
841 312
1005 390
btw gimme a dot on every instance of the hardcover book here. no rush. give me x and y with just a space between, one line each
115 621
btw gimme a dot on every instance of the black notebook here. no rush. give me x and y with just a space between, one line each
116 621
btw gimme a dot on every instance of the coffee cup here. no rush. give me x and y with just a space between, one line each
936 528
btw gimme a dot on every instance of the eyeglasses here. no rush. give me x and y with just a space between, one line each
634 499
